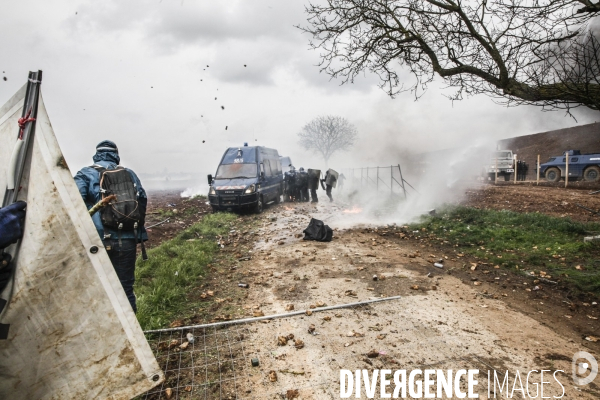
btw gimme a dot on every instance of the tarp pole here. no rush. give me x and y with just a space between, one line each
25 135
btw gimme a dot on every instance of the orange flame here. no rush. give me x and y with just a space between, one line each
353 210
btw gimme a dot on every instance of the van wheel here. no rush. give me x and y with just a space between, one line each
506 177
591 174
259 205
553 174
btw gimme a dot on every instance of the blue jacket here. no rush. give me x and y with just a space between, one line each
88 182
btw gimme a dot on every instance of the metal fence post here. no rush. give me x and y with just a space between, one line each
402 180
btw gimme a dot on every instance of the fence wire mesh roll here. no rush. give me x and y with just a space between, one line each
217 363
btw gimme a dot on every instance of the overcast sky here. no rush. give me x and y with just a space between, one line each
146 74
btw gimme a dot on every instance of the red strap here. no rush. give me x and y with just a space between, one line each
23 121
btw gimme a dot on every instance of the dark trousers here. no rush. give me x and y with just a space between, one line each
313 196
123 261
328 191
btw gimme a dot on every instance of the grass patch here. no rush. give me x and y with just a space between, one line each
173 268
524 241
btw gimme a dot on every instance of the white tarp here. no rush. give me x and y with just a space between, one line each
73 334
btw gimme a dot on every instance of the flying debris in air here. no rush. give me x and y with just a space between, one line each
215 98
4 78
244 65
151 87
222 107
225 128
203 141
207 66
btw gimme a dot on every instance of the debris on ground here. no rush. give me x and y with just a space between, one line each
272 376
373 354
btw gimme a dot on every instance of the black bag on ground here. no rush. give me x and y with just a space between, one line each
125 213
317 230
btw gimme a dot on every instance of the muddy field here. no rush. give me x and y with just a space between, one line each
446 318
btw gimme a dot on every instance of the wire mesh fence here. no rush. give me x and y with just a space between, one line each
378 179
301 356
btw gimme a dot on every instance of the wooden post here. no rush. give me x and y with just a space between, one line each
567 171
515 168
496 172
538 170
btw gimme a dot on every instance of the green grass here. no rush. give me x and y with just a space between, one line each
164 281
524 241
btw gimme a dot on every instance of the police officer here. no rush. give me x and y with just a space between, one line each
328 186
341 180
302 182
290 183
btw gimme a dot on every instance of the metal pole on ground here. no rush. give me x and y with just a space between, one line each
567 171
538 170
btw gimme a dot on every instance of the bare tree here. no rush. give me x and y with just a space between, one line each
327 134
520 51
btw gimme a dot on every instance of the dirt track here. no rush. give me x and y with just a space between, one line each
443 321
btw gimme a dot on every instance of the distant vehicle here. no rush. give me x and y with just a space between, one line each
504 161
581 166
248 177
286 163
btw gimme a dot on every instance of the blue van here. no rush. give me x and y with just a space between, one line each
248 177
586 166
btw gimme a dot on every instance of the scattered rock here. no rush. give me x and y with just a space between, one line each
168 393
311 328
292 394
308 312
272 376
289 307
282 341
373 354
415 287
298 344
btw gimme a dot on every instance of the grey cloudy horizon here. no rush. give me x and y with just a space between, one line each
146 75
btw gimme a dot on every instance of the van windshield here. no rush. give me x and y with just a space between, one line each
502 154
232 171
